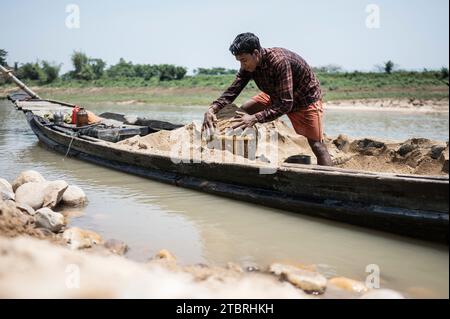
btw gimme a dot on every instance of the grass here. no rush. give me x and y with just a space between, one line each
201 90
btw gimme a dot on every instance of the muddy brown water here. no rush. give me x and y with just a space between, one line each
201 228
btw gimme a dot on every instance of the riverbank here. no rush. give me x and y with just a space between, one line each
409 100
44 257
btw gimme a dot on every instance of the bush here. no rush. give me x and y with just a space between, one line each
51 71
169 72
122 69
32 71
389 67
3 55
214 71
444 73
86 68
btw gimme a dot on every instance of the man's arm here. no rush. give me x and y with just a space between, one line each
242 79
284 104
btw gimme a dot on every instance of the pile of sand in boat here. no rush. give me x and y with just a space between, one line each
272 143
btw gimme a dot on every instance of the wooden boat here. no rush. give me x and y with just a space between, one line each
415 206
410 205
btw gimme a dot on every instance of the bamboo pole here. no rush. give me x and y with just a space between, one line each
19 83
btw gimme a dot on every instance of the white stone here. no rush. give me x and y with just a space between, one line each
26 209
5 195
27 177
46 218
53 193
78 238
6 191
348 284
74 196
116 246
5 185
308 281
31 194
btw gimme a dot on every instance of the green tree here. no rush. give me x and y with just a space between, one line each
86 68
169 72
79 60
3 55
330 68
389 67
180 72
444 73
32 71
214 71
51 71
98 67
122 69
145 71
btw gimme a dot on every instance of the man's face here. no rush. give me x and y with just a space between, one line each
249 61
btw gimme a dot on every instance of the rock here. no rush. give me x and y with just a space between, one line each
436 151
53 193
13 222
74 196
5 185
348 284
368 147
342 142
116 246
27 177
368 143
234 267
78 238
382 294
406 149
308 281
6 191
443 159
31 268
46 218
5 195
165 255
31 194
26 209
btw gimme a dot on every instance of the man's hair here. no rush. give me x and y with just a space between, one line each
245 43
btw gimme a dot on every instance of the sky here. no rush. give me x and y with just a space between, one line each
197 33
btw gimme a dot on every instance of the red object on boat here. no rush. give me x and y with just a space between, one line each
74 114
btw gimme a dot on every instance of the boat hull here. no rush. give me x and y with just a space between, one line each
401 204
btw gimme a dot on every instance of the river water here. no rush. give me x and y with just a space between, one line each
201 228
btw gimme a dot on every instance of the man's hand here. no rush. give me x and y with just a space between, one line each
209 122
243 120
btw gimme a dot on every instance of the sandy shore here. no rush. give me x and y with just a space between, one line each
391 105
192 96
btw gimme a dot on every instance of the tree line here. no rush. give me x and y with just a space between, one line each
86 68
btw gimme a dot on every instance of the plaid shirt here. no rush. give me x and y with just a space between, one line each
284 76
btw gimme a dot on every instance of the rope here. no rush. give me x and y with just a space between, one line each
70 145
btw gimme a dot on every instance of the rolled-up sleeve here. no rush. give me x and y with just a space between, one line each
283 100
242 79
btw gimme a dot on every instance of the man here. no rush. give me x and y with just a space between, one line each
288 86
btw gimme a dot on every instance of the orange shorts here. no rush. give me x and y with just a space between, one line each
307 121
